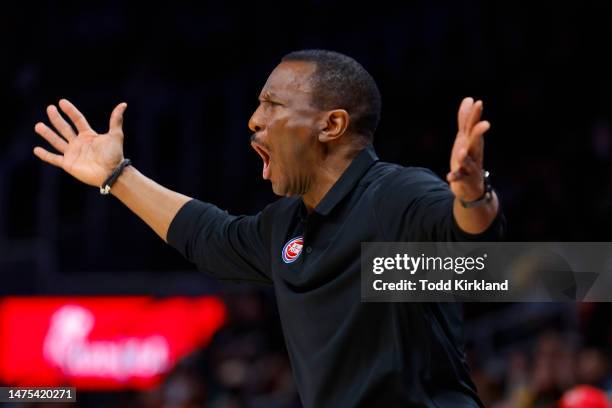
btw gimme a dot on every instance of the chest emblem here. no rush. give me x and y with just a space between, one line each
292 249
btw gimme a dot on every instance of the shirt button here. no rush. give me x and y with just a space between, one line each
308 249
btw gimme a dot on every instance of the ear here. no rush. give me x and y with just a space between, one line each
333 125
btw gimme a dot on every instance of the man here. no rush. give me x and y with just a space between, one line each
313 129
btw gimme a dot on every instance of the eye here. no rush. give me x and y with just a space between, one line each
266 101
270 102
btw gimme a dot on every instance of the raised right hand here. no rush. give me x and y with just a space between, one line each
88 156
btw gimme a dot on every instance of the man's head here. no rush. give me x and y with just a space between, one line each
314 104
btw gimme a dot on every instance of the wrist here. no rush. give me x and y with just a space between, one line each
484 198
107 185
123 181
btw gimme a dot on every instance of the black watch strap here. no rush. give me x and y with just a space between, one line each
108 183
486 197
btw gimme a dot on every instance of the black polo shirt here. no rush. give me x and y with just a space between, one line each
344 352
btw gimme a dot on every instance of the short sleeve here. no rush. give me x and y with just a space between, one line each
417 205
225 246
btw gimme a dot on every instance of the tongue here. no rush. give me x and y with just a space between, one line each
266 170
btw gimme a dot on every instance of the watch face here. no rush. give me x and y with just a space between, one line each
487 181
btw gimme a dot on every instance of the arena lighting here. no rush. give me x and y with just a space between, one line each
101 342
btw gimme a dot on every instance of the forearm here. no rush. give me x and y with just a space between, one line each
477 219
154 204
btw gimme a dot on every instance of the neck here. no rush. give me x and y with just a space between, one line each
328 171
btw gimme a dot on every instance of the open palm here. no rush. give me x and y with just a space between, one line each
465 176
88 156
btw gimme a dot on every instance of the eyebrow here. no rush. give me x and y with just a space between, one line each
267 95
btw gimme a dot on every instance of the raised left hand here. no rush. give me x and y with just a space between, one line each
466 173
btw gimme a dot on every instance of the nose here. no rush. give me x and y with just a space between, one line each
256 121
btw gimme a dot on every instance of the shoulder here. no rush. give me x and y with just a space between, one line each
394 178
282 206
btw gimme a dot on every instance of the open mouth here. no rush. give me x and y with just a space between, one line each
265 156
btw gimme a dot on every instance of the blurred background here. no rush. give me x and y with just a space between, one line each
191 74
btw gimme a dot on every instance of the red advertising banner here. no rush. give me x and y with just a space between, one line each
101 342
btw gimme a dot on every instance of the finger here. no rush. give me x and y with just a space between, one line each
474 116
50 136
60 123
116 119
476 141
453 176
479 130
457 158
464 110
54 159
463 161
75 116
466 167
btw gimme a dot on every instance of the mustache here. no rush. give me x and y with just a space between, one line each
254 139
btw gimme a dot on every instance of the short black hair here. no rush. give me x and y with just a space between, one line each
340 82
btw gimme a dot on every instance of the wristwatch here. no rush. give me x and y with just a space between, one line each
486 197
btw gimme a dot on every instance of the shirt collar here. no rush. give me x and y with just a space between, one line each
347 181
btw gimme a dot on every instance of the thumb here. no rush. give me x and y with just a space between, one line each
116 119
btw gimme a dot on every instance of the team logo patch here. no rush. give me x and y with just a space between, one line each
293 249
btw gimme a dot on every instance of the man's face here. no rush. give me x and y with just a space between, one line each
286 127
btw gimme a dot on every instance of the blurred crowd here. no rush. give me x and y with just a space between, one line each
541 370
565 364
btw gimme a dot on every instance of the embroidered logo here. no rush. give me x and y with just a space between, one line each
292 249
